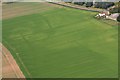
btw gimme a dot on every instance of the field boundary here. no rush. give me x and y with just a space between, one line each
6 53
77 7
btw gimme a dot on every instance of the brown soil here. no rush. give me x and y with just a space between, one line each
10 69
25 8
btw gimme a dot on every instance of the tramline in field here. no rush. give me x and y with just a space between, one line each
61 42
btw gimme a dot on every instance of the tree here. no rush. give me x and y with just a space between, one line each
79 3
115 10
98 4
89 4
103 5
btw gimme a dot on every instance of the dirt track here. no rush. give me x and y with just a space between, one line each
10 69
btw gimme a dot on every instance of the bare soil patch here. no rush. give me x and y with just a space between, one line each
10 68
25 8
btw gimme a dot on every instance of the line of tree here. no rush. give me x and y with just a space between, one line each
113 7
87 4
103 5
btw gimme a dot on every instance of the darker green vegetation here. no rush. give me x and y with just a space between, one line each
62 43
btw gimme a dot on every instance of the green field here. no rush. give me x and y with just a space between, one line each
62 42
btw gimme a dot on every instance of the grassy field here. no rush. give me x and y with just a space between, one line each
62 42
